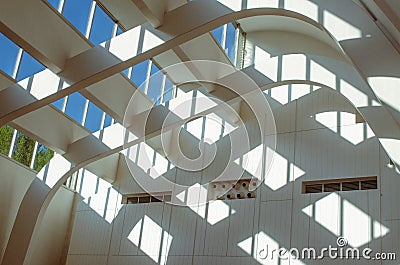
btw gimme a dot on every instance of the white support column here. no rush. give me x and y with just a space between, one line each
60 6
90 19
146 86
223 38
235 58
163 89
103 119
115 30
17 63
64 104
34 155
12 143
85 110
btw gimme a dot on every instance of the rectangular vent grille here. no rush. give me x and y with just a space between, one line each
333 185
146 198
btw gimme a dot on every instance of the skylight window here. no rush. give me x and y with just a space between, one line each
102 27
8 54
28 66
77 12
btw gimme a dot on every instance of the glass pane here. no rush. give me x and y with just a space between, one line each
168 90
93 118
8 54
155 83
218 34
230 41
6 133
59 103
75 106
126 72
23 149
139 73
77 12
107 121
54 3
28 66
119 31
102 27
43 156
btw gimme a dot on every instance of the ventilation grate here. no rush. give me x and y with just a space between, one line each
146 198
319 186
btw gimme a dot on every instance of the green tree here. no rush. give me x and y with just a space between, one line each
6 133
23 150
43 156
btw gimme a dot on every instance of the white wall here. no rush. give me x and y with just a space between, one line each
309 147
49 247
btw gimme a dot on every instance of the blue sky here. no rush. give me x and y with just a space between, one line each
77 13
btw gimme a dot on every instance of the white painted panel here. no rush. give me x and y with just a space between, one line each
131 232
90 235
279 179
300 221
274 227
391 242
86 259
241 225
355 220
182 228
216 238
324 219
390 181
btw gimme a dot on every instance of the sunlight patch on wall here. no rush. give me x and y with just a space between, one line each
263 240
280 94
218 211
267 65
300 90
358 98
387 90
304 7
322 75
149 237
351 131
195 197
211 128
339 28
252 162
282 172
337 214
276 175
151 162
294 67
99 195
328 119
264 244
235 5
288 93
262 3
